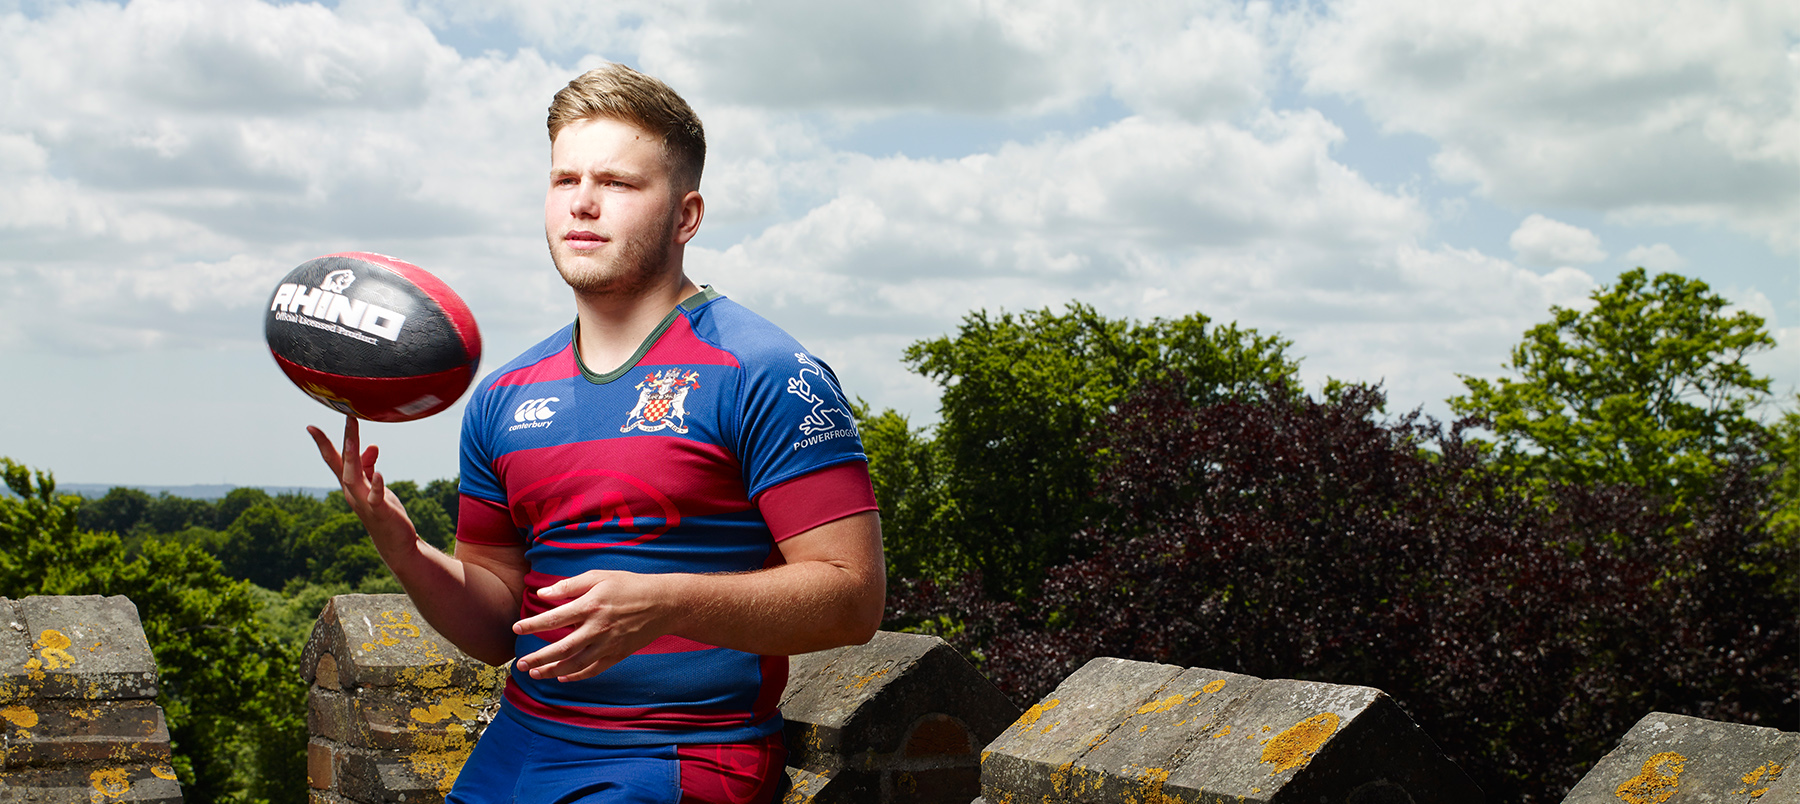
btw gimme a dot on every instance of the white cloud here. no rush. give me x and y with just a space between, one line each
1680 110
1659 258
1542 241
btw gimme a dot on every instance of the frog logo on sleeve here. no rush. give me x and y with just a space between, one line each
829 417
662 402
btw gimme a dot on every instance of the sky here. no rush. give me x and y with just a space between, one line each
1399 187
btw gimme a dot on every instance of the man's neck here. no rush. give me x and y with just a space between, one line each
613 326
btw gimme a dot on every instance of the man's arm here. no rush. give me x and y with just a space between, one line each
829 591
471 598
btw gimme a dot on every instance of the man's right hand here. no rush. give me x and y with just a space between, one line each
364 489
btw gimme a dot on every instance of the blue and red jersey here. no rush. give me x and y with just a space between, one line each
721 437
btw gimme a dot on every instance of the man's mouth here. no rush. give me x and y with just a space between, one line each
584 236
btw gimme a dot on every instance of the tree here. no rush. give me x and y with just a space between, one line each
119 510
1020 392
1290 538
228 691
1650 388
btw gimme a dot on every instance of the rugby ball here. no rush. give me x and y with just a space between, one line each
372 336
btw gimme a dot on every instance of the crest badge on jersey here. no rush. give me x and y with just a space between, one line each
661 403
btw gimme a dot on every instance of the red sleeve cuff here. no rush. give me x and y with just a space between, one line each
480 521
815 498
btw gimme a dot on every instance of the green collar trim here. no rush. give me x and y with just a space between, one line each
690 304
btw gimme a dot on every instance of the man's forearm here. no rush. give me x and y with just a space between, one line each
468 603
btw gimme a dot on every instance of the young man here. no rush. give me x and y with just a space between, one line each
660 502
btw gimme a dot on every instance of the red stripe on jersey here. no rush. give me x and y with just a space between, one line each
679 345
543 489
633 718
559 366
815 498
731 773
480 521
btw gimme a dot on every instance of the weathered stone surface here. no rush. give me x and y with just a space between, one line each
394 709
898 719
383 641
1034 757
1133 731
77 717
84 647
1674 759
63 732
91 783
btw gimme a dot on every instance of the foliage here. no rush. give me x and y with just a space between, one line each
1293 538
1650 388
228 691
1008 472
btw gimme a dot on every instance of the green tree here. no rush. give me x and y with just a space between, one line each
1648 388
232 696
119 510
1022 392
259 546
235 502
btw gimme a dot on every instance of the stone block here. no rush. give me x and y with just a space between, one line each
112 783
78 719
1119 730
383 641
84 647
60 732
394 708
900 718
1674 759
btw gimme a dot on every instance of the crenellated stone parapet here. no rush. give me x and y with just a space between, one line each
78 713
394 709
1125 731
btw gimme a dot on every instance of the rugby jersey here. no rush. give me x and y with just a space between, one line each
720 437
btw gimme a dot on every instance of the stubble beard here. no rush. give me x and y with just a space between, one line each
637 265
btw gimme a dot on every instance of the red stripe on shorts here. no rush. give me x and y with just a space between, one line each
732 773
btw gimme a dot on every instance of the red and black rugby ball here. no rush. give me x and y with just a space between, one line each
372 336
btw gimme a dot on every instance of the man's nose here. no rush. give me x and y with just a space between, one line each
585 201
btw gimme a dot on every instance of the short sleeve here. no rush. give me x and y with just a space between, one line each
795 421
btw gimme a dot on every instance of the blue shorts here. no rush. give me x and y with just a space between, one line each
511 764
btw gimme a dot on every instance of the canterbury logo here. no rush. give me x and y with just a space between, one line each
535 410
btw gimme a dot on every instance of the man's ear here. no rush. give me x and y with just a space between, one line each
688 211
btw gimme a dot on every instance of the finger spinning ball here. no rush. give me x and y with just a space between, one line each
374 337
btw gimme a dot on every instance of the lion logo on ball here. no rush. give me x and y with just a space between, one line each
337 281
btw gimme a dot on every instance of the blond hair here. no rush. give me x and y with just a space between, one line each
617 92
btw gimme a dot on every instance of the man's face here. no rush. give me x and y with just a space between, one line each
610 213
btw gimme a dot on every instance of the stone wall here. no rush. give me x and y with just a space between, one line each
77 704
1673 759
1118 731
393 708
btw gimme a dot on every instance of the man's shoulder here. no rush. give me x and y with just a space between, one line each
752 339
536 364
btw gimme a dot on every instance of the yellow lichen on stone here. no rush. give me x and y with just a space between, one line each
1764 775
53 646
163 772
109 783
1037 711
439 758
863 681
1213 687
452 706
20 715
1224 732
393 622
1147 788
1296 746
1655 782
1163 705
